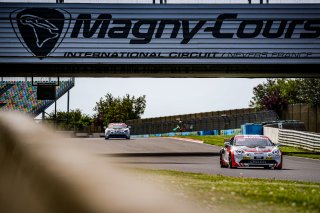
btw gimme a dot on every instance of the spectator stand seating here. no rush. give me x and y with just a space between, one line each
22 96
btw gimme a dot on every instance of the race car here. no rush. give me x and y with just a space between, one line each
250 151
117 130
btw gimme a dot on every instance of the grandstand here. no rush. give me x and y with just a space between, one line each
20 94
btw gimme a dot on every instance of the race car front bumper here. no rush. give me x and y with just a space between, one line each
260 160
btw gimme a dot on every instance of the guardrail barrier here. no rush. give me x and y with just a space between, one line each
306 140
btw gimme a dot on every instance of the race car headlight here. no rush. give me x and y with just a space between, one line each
276 152
239 151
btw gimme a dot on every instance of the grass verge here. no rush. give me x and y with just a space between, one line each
218 140
238 194
294 151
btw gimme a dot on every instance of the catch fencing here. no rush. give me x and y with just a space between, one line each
307 113
197 122
306 140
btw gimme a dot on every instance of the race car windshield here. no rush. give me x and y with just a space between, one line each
253 142
117 126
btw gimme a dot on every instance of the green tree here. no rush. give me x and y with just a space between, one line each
117 109
309 90
276 94
76 119
268 96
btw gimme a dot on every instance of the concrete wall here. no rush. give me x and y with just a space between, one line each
272 133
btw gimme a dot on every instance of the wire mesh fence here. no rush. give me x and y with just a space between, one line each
164 125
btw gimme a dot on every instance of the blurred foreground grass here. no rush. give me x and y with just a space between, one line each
238 194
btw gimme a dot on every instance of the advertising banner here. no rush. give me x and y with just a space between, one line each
156 34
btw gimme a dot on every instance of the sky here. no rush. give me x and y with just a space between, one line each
164 96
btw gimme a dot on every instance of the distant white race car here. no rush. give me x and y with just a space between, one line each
251 151
117 130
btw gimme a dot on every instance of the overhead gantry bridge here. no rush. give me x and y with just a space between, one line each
172 40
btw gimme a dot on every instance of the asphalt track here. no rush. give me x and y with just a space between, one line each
172 154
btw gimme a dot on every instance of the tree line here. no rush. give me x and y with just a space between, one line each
108 109
276 94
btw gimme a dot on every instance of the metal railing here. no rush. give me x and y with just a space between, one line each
305 140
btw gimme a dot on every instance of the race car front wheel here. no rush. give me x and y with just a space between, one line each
222 164
278 167
230 162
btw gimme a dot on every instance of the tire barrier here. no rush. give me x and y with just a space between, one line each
288 124
207 132
41 172
231 132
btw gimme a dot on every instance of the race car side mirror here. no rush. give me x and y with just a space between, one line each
129 127
226 144
104 127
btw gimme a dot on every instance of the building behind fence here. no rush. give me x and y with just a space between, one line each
219 120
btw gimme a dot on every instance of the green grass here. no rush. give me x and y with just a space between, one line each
294 151
218 140
238 194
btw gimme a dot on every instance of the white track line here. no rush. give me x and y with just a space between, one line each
186 139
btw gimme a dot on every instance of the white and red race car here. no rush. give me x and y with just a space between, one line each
117 130
250 151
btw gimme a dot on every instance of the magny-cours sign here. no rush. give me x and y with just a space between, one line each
174 34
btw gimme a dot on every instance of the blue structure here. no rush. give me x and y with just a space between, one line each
252 129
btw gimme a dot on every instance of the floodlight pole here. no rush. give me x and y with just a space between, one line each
55 112
68 107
